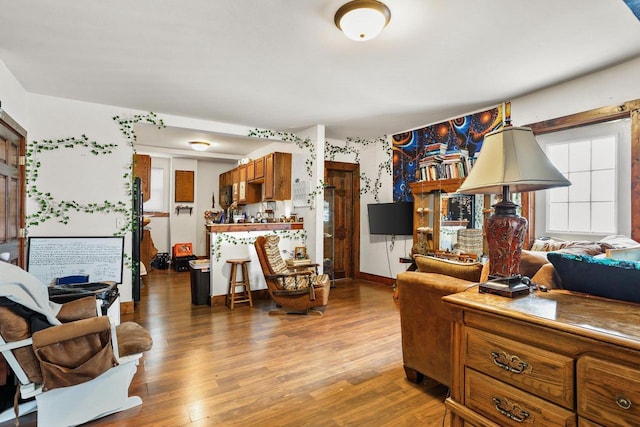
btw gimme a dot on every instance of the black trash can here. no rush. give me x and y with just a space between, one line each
200 282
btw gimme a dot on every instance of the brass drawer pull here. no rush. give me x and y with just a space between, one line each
623 402
513 411
510 363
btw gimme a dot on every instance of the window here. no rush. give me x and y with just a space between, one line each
596 160
156 202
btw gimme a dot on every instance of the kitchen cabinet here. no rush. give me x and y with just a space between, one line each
277 176
235 176
142 170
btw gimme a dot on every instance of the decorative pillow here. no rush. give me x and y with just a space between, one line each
547 245
603 277
462 270
619 242
584 248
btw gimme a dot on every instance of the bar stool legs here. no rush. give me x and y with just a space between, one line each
244 295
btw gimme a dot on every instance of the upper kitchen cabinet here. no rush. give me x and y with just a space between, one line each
142 170
277 176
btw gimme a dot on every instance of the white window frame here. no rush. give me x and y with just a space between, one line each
622 130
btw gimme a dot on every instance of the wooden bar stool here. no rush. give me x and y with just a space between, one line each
245 295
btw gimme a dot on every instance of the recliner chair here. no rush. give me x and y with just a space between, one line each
78 369
294 290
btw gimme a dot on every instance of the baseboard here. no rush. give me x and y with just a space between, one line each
375 278
219 300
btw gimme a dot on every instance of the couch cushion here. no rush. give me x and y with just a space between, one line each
598 276
462 270
530 262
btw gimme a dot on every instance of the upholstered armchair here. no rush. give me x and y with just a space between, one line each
71 364
294 290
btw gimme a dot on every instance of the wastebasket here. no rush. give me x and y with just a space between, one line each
200 282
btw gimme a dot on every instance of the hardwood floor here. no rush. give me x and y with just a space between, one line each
212 366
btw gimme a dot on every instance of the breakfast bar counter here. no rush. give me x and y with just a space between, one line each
233 241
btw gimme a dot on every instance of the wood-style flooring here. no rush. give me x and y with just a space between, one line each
212 366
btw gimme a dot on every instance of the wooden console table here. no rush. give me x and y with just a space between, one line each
546 359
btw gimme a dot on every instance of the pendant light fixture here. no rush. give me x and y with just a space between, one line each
362 20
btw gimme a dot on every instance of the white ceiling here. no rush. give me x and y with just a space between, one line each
282 64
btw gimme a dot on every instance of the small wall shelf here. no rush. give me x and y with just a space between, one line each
181 208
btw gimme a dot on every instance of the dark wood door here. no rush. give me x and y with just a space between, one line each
12 189
345 178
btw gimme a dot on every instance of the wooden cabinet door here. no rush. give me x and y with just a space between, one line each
268 177
142 170
258 168
236 184
242 184
251 171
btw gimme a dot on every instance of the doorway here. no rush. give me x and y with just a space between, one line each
345 177
12 189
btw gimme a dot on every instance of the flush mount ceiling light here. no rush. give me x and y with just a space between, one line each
199 145
362 20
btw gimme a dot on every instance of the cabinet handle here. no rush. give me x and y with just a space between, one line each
513 411
510 363
623 402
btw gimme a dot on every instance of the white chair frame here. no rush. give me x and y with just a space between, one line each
70 406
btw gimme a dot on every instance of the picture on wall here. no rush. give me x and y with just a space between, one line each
462 133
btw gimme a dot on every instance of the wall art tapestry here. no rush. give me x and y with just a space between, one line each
462 133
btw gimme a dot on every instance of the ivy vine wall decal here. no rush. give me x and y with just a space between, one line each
233 239
351 147
52 208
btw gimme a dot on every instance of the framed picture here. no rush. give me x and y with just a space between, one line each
300 252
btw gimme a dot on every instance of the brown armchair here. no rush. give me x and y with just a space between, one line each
295 290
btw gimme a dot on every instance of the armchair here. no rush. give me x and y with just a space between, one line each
71 365
296 291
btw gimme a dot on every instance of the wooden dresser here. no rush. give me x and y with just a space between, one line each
546 359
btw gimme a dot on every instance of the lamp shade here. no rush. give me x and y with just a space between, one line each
362 20
511 157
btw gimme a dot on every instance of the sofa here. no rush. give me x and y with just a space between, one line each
426 321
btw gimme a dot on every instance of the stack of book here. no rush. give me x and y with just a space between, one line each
442 164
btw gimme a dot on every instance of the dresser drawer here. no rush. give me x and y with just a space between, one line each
545 374
583 422
608 392
509 406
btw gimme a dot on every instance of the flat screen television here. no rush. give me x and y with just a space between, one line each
101 258
391 218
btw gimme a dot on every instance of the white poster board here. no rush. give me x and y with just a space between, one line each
99 257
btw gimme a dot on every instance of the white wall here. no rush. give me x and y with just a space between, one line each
608 87
76 174
13 96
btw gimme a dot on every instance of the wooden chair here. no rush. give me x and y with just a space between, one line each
294 290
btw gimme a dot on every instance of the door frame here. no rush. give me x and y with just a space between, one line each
10 129
354 168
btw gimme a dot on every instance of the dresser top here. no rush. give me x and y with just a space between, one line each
616 322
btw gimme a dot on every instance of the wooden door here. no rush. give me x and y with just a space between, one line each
345 178
268 177
12 189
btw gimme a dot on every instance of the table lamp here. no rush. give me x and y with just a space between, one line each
510 161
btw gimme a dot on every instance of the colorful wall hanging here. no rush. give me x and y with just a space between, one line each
466 133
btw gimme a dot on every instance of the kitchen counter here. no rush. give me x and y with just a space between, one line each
227 241
254 226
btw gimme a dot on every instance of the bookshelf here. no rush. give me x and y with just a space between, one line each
426 206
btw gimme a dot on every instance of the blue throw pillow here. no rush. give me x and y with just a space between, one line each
603 277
